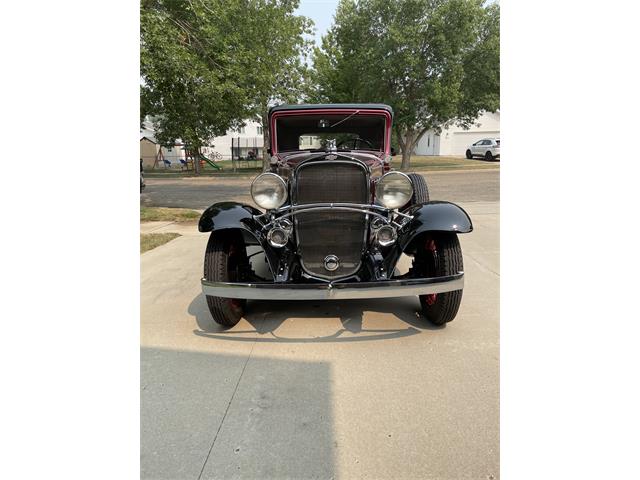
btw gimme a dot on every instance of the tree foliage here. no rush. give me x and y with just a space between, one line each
207 65
434 61
279 71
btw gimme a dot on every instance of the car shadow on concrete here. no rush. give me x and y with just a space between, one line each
209 415
267 316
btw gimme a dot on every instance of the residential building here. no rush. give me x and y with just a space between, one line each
152 154
234 144
454 140
237 143
309 142
148 151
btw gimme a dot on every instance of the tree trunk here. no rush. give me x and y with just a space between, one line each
407 149
399 139
266 145
195 154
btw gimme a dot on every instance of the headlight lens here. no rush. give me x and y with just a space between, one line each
394 190
269 191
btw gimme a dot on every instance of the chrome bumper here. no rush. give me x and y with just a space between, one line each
334 291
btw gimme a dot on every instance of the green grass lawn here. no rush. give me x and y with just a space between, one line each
227 166
418 163
432 163
155 214
249 168
149 241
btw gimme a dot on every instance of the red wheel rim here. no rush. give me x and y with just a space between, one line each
431 247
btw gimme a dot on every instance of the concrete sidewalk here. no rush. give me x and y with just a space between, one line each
183 228
351 389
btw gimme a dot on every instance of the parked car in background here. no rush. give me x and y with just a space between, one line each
488 148
335 221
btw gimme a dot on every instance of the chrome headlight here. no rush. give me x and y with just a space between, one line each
269 191
394 190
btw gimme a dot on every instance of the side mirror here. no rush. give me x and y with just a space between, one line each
393 152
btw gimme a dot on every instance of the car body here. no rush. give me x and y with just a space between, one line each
487 148
335 221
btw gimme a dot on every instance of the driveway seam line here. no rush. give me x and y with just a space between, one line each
482 264
161 226
224 417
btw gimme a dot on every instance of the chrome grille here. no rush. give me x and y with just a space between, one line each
324 233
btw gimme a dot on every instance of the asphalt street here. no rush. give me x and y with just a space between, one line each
199 193
336 389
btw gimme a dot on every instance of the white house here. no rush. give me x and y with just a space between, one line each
249 137
310 141
454 140
242 140
152 154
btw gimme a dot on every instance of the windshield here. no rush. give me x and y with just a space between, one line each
352 131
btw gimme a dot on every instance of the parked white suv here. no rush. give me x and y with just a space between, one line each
489 148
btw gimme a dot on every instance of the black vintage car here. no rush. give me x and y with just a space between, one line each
336 221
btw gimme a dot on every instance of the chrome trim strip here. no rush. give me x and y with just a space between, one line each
334 291
347 207
317 209
366 206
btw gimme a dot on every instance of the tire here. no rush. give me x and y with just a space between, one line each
225 253
439 255
469 154
488 156
420 189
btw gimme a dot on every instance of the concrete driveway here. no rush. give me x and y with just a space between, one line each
350 389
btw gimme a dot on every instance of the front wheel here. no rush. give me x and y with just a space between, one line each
439 255
420 189
469 154
224 261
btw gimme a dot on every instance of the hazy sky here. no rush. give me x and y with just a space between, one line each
321 12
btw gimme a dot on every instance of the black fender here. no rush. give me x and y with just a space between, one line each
225 215
434 217
238 216
427 217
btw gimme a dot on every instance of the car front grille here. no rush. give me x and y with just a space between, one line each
324 233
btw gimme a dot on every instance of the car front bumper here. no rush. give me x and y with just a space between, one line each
334 291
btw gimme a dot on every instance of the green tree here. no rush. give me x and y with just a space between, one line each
278 70
435 62
207 65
